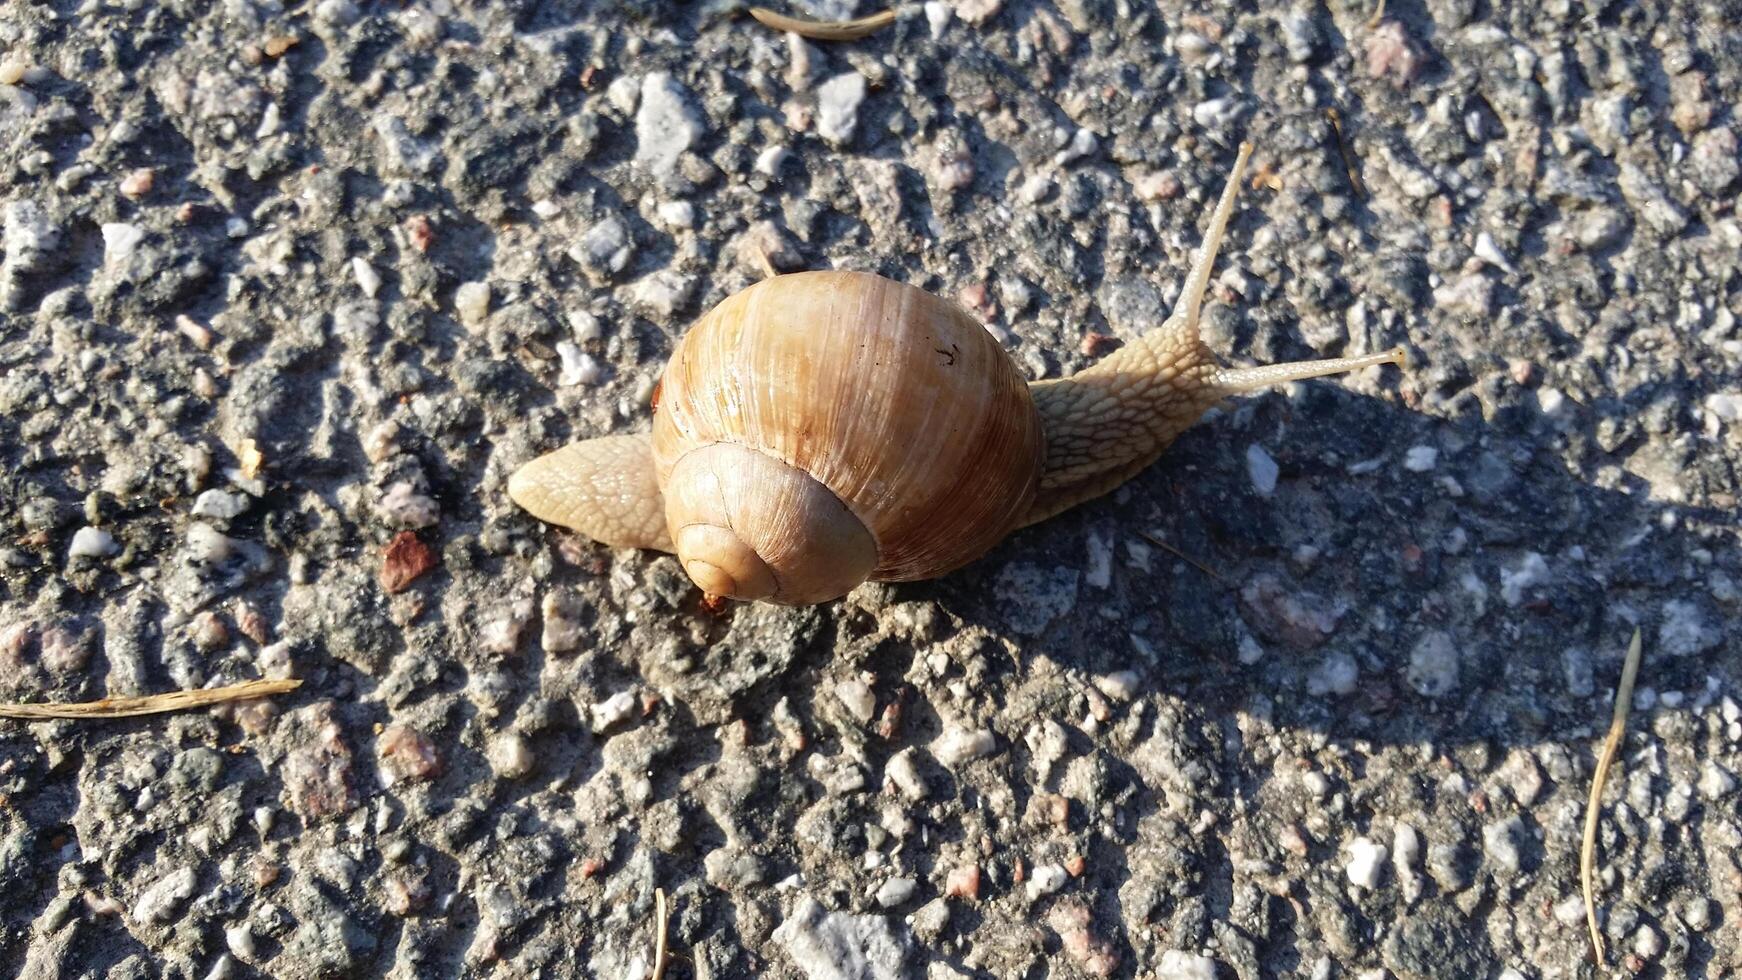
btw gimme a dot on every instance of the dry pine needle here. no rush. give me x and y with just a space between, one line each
151 704
1594 809
824 30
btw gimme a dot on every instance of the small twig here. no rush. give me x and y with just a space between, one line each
767 263
824 30
1182 556
1611 746
1378 15
659 940
1347 152
151 704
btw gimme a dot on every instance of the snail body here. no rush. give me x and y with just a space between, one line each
819 429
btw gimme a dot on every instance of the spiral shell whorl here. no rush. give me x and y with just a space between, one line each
748 526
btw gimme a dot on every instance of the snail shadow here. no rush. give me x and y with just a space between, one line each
1385 526
1468 602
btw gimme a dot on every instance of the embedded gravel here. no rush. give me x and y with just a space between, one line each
286 291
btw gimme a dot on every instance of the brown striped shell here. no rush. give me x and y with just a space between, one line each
820 428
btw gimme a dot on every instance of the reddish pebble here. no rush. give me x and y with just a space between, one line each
252 622
1048 808
1441 209
1071 921
889 726
407 754
422 235
64 651
590 867
1099 709
209 632
406 558
1412 555
1076 865
1096 344
1389 52
317 775
138 183
978 300
279 44
407 893
14 641
963 882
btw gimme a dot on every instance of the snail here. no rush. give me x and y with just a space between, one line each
819 429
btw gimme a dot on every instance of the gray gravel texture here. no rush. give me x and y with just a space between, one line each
399 249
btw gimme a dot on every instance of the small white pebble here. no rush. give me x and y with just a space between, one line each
1490 253
368 279
1157 185
119 241
585 326
904 773
1366 861
138 183
1647 942
1420 459
769 161
1081 145
1176 964
677 214
1121 685
1405 847
472 303
240 939
856 695
1046 879
1099 574
195 331
957 746
509 755
404 508
937 17
93 542
220 504
578 368
270 120
1500 842
895 891
1262 469
545 208
1716 782
613 710
1035 189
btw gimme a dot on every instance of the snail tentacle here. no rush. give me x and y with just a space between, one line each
1107 422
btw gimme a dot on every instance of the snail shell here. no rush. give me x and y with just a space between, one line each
822 428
